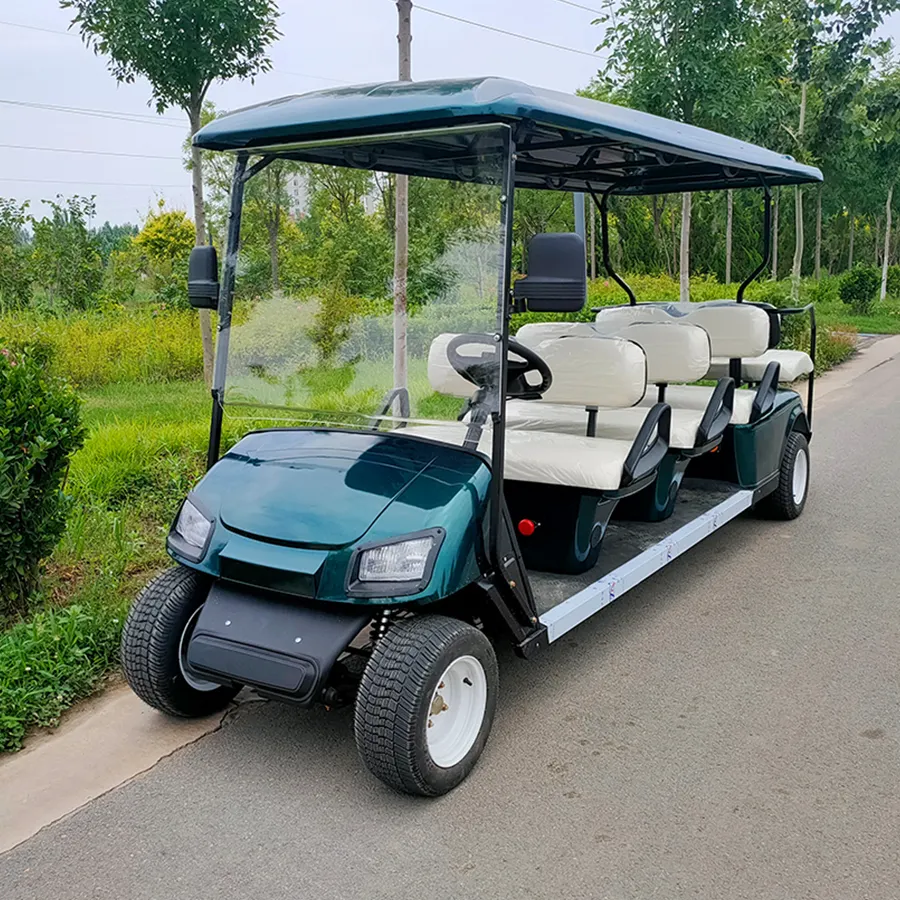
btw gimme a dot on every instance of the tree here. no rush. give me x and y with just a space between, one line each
66 258
15 255
165 242
111 237
680 59
181 47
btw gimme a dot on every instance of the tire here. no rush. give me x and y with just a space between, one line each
789 498
395 705
152 645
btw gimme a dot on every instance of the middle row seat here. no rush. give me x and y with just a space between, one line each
674 352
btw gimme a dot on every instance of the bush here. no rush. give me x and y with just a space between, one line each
893 281
39 430
858 287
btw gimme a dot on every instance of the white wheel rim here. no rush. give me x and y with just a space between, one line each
801 474
198 684
456 711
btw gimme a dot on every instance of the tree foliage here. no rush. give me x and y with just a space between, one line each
15 255
180 46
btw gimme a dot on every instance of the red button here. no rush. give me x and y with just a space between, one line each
527 527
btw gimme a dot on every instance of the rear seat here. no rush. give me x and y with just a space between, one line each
736 331
674 352
582 377
793 365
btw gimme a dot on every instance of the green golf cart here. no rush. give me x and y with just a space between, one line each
414 486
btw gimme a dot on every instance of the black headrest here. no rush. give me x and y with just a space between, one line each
557 274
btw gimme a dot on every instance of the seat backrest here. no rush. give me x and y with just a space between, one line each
736 330
532 334
441 375
610 319
594 371
675 352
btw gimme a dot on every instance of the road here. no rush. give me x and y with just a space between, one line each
729 729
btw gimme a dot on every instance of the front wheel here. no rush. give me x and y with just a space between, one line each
426 703
789 498
154 646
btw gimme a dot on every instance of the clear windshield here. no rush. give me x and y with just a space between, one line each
315 338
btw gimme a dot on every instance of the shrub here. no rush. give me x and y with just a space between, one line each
823 291
858 287
39 430
833 347
893 281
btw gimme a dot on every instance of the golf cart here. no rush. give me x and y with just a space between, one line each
387 517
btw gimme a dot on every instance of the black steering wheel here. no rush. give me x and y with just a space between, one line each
482 370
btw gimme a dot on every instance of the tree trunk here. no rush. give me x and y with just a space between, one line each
798 245
819 234
729 223
887 242
273 250
594 242
851 224
684 262
200 238
775 235
401 219
798 209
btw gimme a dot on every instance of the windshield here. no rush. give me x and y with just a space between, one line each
315 339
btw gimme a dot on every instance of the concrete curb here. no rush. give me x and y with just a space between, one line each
102 744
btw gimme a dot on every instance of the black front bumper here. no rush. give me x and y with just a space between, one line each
270 641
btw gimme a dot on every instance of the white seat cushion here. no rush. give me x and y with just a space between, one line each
697 396
618 424
794 364
545 458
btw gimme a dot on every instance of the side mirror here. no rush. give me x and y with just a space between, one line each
557 274
203 278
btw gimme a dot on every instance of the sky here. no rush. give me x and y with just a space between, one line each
322 45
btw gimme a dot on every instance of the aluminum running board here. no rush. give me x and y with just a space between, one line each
573 611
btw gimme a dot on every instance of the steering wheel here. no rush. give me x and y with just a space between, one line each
482 370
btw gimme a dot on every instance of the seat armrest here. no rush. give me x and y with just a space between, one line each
650 445
765 393
717 414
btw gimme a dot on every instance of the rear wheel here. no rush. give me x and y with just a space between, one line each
154 646
789 498
426 703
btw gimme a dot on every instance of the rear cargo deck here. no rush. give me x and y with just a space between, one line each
632 551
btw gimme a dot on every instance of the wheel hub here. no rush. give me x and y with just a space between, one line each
456 711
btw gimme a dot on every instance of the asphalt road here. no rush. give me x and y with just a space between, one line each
730 729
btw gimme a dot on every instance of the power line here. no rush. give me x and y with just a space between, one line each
38 28
137 118
521 37
275 71
579 6
87 152
92 183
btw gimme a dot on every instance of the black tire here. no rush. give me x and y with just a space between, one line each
151 645
782 503
395 696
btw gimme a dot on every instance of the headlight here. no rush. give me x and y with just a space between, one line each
192 526
403 561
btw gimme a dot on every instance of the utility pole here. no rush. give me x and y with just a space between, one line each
401 216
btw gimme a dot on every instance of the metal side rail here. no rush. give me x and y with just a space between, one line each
573 611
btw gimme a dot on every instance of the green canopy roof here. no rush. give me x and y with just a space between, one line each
563 142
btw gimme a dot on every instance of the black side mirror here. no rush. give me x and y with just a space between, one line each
557 274
203 278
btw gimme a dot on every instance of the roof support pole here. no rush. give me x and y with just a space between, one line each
767 243
603 206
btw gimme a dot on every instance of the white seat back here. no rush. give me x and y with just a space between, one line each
736 330
441 375
612 318
532 334
675 352
594 371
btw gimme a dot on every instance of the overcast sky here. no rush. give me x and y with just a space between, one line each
323 44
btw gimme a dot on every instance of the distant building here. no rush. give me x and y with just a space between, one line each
298 196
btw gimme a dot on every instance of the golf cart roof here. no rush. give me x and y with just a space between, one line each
563 142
